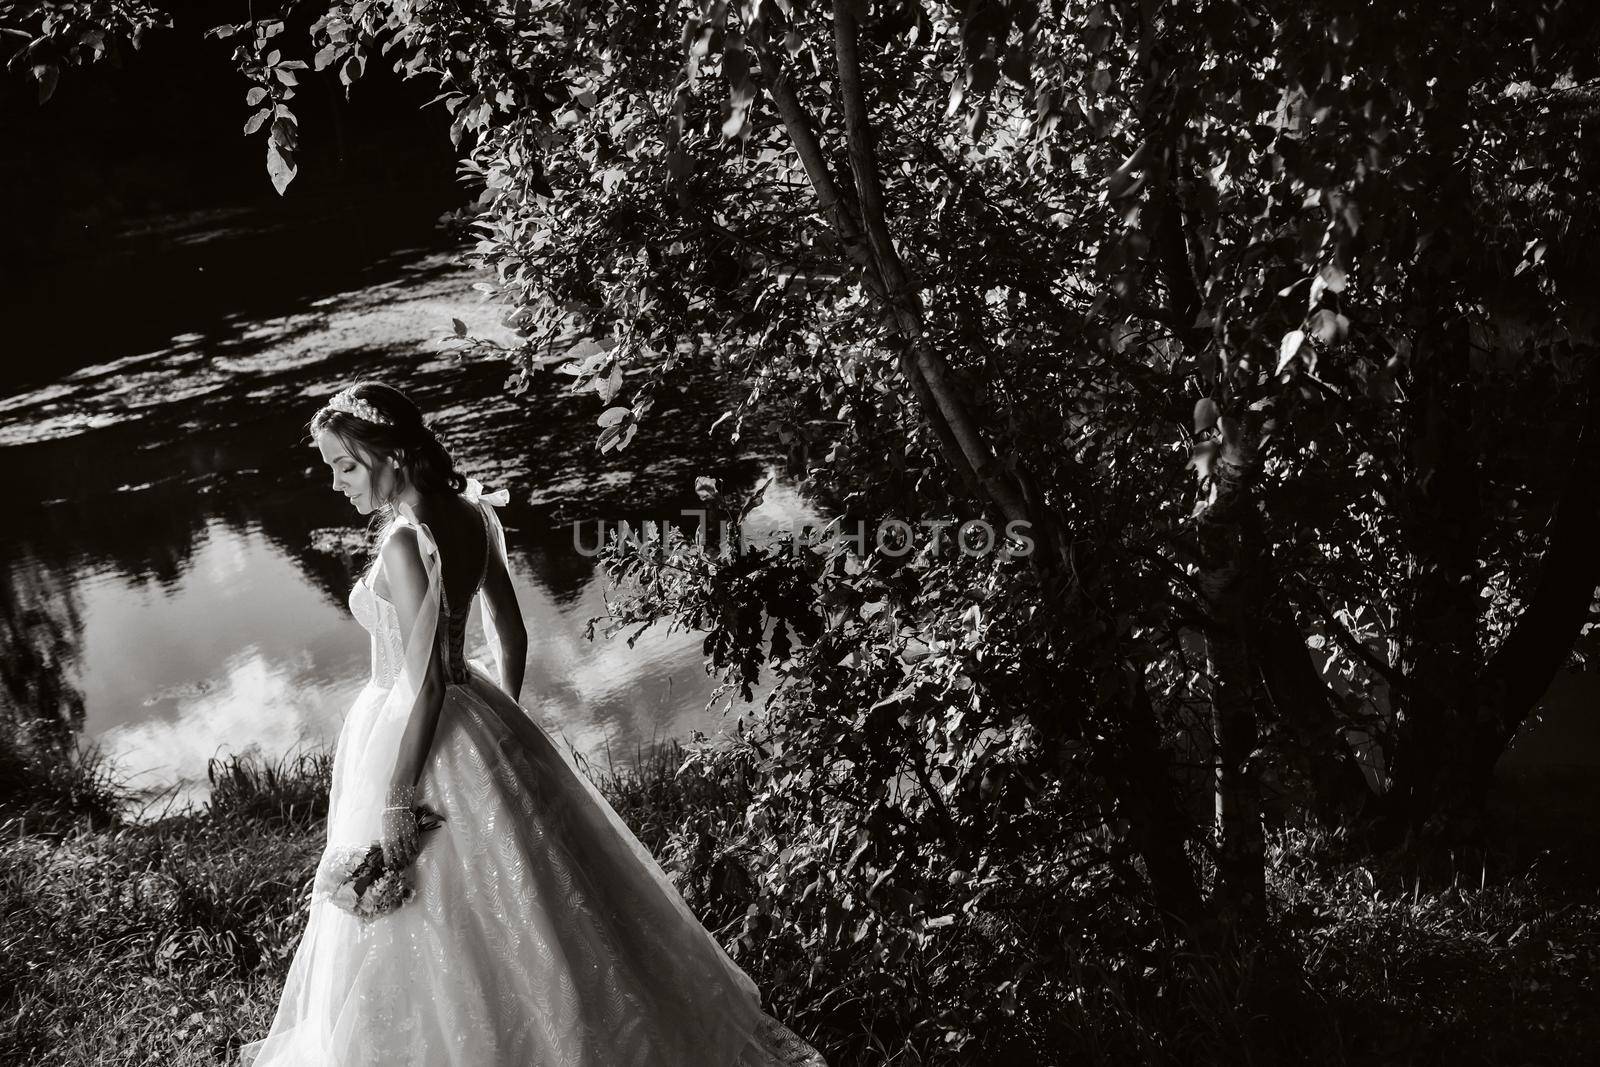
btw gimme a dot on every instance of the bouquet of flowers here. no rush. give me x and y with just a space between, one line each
356 879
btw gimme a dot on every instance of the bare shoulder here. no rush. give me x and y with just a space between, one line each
402 550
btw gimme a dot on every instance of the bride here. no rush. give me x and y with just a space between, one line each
538 931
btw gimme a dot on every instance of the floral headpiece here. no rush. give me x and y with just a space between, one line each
345 400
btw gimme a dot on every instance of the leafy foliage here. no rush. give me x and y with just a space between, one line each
60 35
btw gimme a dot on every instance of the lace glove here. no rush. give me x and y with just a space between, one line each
400 841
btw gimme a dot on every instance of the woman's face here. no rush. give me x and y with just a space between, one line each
366 489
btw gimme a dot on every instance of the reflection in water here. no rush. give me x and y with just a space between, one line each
249 703
178 569
240 651
41 626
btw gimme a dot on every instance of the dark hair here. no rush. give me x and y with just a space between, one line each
423 457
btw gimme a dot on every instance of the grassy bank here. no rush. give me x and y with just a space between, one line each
165 942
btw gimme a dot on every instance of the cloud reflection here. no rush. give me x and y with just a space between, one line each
258 704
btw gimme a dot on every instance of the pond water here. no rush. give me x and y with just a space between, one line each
177 566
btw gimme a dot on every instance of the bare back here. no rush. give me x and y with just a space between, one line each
459 530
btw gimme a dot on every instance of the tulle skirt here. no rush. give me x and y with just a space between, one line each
542 933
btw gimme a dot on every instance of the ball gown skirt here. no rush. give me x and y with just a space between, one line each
542 932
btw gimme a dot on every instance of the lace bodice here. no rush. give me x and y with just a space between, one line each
378 617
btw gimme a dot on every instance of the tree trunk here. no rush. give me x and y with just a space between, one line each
1522 668
1302 701
1440 522
1229 526
1230 582
1159 828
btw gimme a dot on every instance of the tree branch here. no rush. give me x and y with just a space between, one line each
901 296
830 199
1305 594
837 207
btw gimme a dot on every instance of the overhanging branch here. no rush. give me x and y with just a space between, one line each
901 296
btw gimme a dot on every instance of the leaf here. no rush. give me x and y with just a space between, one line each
610 386
1352 217
1329 326
255 96
612 416
95 41
1289 348
1333 277
460 327
325 55
280 167
351 69
254 122
978 121
47 74
284 135
1205 414
613 437
958 92
585 348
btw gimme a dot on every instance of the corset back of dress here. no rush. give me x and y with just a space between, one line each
453 636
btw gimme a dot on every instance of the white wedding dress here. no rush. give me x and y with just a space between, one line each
542 933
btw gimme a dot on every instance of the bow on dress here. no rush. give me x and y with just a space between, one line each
497 543
475 492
